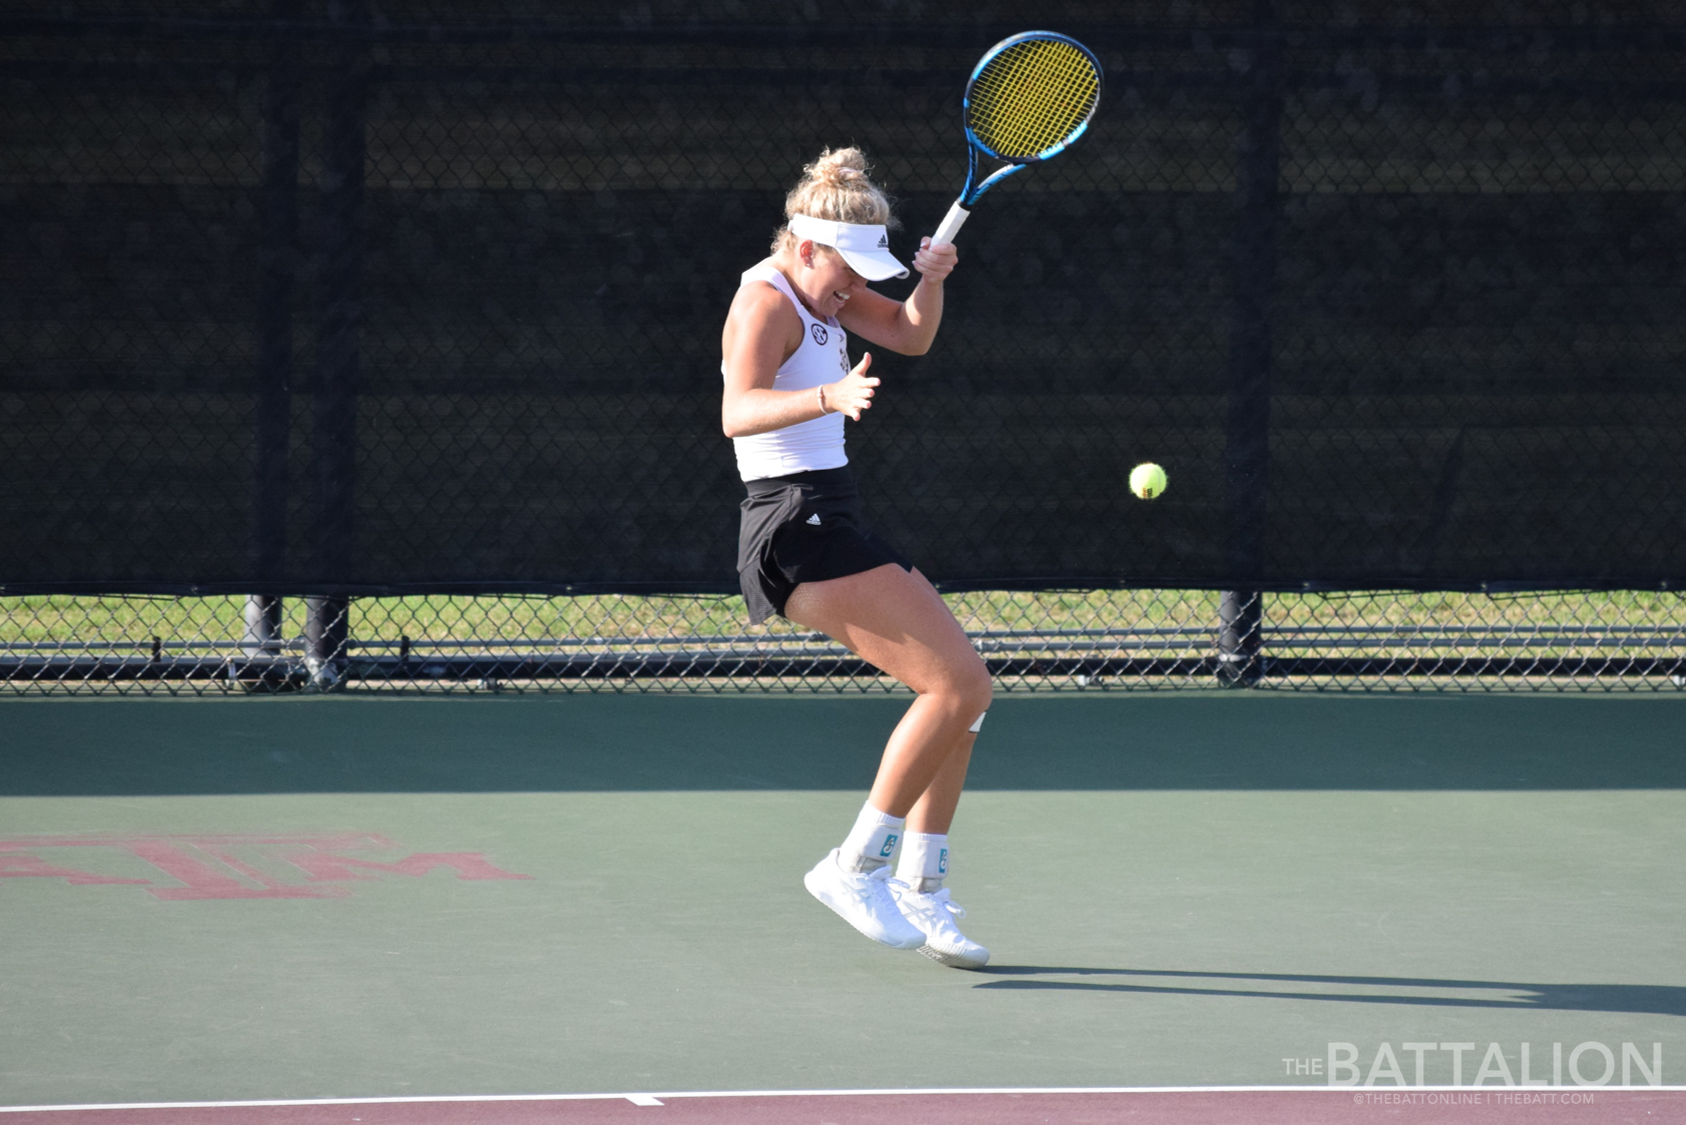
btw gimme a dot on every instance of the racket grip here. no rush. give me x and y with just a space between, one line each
951 224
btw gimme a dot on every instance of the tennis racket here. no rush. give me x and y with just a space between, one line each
1028 99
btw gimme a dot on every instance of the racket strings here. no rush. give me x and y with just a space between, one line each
1030 117
1031 97
1034 90
1051 103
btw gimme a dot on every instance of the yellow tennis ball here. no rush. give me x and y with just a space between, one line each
1147 480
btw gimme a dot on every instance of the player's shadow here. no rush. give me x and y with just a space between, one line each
1636 999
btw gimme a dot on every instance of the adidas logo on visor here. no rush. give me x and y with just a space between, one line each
883 241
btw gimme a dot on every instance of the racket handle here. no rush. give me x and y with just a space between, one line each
951 224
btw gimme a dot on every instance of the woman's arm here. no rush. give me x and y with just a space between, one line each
909 326
762 331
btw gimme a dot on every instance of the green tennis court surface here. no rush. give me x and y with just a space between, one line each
301 898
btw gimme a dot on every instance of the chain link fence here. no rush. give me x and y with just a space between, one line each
1032 641
375 344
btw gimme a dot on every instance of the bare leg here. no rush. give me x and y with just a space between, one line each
934 811
895 620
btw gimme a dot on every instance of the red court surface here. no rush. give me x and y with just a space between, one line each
1315 1106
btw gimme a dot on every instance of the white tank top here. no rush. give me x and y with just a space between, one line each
822 357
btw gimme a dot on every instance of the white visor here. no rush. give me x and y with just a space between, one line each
865 246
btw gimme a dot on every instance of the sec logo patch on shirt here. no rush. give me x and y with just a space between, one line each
820 334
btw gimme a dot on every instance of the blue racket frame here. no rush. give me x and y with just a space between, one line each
974 191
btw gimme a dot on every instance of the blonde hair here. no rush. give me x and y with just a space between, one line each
835 187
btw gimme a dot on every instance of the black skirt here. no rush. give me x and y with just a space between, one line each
805 527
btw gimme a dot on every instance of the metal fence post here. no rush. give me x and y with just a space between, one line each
1253 271
1240 617
262 634
277 264
326 633
338 338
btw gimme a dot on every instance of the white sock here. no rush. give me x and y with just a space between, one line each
872 841
924 861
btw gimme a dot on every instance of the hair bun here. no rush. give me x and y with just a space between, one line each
836 187
838 166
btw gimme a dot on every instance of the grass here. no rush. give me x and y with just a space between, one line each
618 621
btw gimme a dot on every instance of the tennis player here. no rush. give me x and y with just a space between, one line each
804 551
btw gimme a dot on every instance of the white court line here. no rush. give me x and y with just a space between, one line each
658 1098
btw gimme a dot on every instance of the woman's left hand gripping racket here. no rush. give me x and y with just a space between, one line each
1029 97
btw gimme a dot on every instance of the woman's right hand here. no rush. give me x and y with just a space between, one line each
854 393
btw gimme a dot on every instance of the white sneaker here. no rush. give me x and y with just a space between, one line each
863 900
935 914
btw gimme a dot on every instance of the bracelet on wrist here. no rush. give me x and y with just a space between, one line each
819 393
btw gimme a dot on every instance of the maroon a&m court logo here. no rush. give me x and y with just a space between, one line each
180 867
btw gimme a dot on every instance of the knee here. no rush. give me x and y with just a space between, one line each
971 688
984 687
